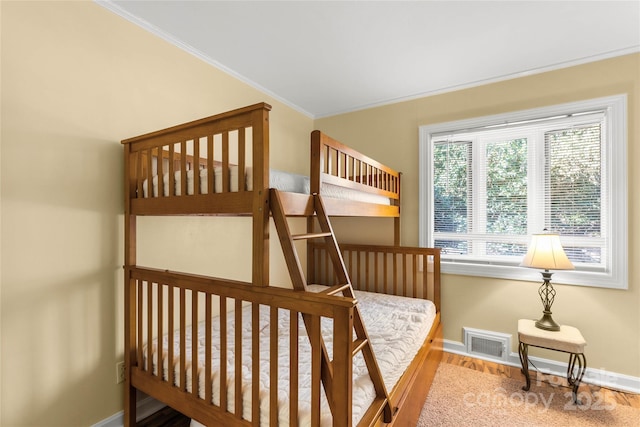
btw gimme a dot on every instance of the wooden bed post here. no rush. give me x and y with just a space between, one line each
343 367
396 220
129 293
260 275
436 278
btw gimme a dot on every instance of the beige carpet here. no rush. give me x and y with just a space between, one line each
461 396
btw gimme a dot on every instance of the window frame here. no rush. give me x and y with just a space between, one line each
616 186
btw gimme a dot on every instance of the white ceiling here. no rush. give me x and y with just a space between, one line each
330 57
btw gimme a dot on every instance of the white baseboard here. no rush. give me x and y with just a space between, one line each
598 377
144 408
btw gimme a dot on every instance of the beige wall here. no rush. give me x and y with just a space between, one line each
76 79
609 319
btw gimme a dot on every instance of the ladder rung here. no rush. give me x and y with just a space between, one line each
359 345
310 236
335 289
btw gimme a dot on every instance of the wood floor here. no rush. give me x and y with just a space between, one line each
170 418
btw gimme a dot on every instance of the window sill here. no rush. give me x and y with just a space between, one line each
576 277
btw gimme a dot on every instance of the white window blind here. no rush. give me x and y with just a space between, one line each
490 186
573 181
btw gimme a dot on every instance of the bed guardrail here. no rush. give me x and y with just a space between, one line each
167 171
170 311
394 270
335 163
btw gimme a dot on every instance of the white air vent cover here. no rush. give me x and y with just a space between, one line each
487 344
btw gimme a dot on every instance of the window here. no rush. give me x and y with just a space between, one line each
487 184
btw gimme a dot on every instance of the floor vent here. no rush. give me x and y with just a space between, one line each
493 345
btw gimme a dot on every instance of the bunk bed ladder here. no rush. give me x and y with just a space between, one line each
362 342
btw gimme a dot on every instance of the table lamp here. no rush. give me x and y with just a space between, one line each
545 252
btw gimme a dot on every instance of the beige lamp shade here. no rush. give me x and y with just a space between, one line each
545 252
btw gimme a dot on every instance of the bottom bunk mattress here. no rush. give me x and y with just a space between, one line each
397 328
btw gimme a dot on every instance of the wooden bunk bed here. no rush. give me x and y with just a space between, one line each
180 329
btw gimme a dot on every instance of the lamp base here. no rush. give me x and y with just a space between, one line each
547 295
547 323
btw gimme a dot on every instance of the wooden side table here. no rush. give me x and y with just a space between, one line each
568 340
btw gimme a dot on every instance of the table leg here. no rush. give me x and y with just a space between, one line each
575 371
523 350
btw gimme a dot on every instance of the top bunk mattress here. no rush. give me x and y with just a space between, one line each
280 180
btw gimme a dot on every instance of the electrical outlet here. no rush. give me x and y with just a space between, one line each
119 372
